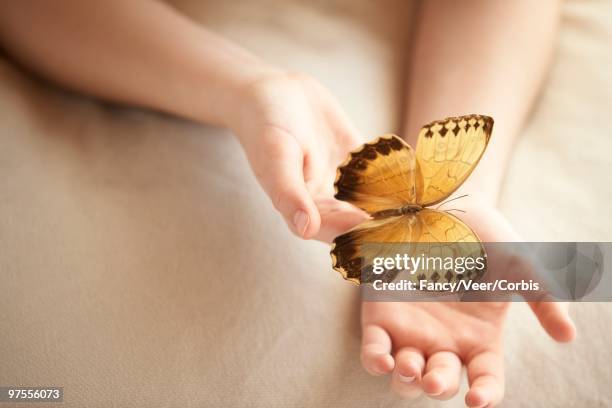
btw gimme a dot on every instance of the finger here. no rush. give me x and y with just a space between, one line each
281 175
337 217
406 379
554 318
442 375
486 378
376 351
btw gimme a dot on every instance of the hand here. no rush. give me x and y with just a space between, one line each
295 135
424 345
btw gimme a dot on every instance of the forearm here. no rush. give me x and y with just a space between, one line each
140 52
482 56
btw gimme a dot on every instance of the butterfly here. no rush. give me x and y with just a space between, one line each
397 185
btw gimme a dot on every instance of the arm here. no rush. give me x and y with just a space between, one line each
482 56
488 57
145 53
140 52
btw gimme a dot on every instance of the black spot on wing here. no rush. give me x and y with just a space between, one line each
396 144
346 255
456 123
360 164
349 176
383 147
344 195
369 152
348 260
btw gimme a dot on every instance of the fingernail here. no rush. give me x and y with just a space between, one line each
406 379
300 221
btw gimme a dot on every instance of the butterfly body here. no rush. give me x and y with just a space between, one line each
395 185
407 209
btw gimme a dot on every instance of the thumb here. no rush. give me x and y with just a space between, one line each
281 175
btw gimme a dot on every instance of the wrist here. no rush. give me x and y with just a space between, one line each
206 80
239 102
252 101
222 98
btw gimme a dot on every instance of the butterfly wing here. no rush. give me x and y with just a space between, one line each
447 152
444 235
380 175
430 232
353 252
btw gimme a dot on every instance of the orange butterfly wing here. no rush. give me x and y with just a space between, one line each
427 231
380 175
447 152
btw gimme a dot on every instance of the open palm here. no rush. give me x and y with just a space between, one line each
431 341
423 345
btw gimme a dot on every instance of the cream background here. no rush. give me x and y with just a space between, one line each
141 265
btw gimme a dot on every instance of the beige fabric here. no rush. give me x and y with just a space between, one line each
142 266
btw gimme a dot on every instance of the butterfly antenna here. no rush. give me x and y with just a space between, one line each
452 199
454 209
